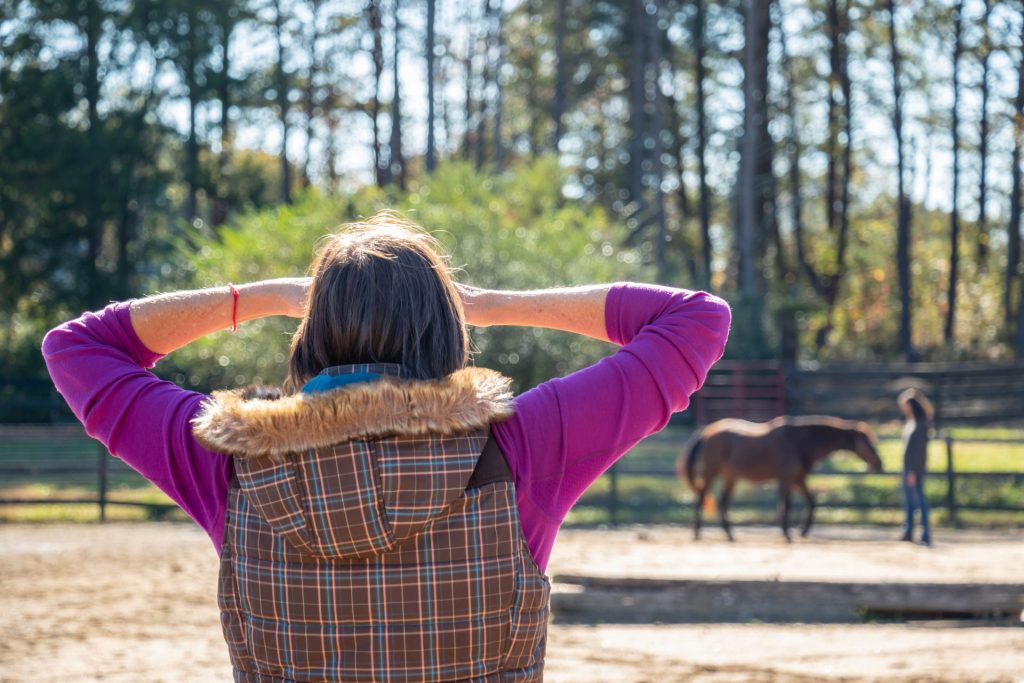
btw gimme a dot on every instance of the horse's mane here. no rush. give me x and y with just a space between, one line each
739 426
830 421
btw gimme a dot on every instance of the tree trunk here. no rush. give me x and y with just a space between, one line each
842 75
847 91
704 209
675 124
558 104
309 92
485 81
283 105
93 224
903 210
219 215
192 143
637 110
534 108
1013 229
331 153
499 92
656 103
756 201
397 158
831 202
678 141
128 223
954 218
986 49
795 149
431 142
445 67
471 49
376 21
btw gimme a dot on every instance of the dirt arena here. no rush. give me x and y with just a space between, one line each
136 603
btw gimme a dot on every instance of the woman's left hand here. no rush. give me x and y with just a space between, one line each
166 322
294 292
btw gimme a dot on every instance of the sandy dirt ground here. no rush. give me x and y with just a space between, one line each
136 602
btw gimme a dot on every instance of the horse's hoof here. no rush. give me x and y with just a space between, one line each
789 539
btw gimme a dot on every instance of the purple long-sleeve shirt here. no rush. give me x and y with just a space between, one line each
565 432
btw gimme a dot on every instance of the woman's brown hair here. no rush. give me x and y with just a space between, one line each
381 293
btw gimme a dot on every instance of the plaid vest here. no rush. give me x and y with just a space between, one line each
372 535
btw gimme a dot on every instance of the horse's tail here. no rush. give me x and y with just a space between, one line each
686 466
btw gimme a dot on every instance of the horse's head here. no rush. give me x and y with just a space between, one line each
864 446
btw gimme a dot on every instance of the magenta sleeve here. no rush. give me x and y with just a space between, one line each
99 365
566 432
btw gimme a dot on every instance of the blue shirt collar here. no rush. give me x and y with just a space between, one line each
342 375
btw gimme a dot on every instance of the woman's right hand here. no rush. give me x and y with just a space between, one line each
474 303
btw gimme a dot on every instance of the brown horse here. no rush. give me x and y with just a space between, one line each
785 449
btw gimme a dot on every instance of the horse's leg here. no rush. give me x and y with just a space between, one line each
698 506
723 505
809 517
784 509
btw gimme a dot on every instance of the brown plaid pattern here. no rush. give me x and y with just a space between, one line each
370 561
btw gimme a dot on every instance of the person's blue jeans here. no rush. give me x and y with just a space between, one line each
914 499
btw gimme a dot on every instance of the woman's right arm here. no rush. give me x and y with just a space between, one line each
566 432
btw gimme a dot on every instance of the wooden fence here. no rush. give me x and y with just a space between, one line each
962 393
54 452
47 453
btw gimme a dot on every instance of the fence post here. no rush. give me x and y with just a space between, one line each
613 494
950 481
101 470
741 399
780 390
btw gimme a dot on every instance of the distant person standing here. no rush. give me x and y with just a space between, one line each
918 412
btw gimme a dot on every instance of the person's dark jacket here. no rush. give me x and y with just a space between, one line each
915 441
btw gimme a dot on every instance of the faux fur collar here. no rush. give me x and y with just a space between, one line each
466 399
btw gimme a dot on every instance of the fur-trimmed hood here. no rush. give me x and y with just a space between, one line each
230 422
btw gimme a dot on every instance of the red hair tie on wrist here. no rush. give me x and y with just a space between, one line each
234 308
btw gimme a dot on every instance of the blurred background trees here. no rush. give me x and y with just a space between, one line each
846 172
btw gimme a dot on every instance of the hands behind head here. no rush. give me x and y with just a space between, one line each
294 293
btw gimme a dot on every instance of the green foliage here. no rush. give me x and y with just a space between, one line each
507 231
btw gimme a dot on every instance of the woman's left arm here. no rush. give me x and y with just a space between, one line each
167 322
99 362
